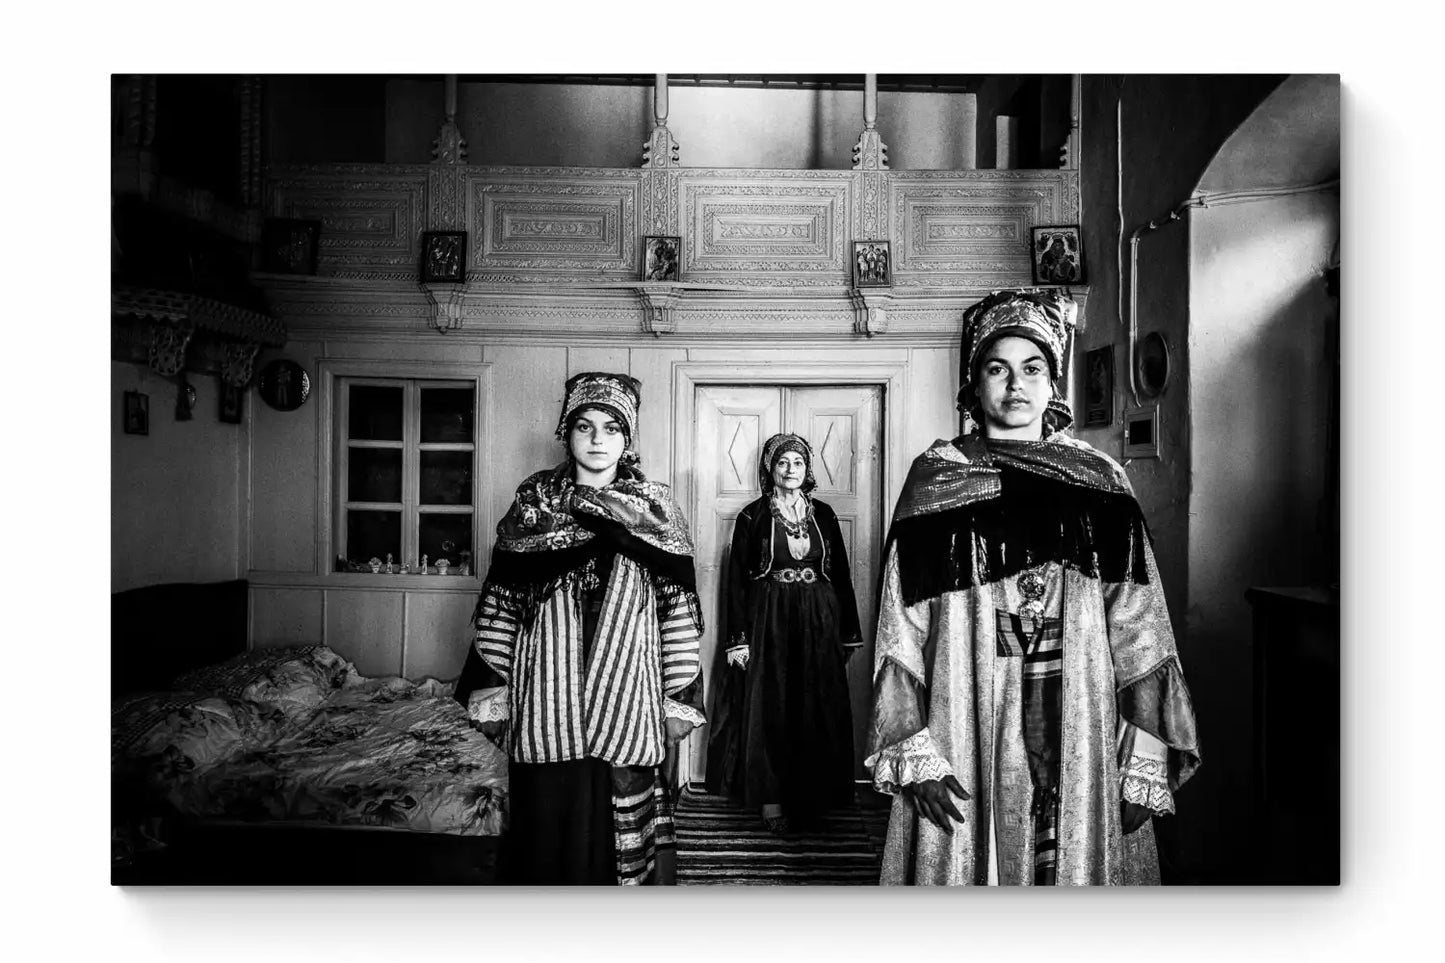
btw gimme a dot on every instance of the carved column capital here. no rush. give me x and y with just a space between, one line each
659 309
661 149
870 153
870 312
445 304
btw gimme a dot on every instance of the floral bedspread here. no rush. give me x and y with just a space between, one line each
370 752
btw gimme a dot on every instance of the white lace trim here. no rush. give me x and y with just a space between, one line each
489 705
1146 783
915 759
672 709
738 655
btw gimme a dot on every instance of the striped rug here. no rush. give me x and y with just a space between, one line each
718 844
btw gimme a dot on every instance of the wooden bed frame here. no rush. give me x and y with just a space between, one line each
160 631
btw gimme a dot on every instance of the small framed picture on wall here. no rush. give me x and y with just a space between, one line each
1099 387
662 259
1058 255
872 264
443 256
136 413
290 245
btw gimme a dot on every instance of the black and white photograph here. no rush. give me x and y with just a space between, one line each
562 579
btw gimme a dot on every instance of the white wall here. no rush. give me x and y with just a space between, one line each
1259 379
175 494
564 125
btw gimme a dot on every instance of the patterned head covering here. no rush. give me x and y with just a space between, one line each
1045 316
617 394
774 448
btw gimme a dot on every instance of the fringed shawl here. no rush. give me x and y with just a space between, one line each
975 511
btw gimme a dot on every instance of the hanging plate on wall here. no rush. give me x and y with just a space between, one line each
284 385
1152 364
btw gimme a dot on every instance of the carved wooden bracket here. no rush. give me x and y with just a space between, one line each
444 304
659 309
870 153
870 312
661 149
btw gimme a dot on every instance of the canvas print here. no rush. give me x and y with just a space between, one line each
620 578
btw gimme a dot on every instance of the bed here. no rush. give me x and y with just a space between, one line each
285 765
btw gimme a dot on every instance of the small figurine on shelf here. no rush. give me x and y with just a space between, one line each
442 566
466 566
390 568
375 564
422 570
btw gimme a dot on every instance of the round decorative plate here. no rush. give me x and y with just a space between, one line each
1152 364
284 385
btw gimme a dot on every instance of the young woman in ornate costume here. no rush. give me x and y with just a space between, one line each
1029 709
587 630
782 740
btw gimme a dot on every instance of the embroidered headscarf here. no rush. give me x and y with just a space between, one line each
774 448
1045 316
619 395
555 526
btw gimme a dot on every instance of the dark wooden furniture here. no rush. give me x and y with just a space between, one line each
1297 735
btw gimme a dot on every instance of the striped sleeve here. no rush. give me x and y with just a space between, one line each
497 627
681 661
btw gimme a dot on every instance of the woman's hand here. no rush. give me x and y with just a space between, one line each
677 730
493 730
1133 816
930 799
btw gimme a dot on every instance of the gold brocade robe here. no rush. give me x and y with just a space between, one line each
940 706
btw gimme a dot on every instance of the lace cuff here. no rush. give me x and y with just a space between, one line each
738 655
672 709
489 705
1146 782
915 759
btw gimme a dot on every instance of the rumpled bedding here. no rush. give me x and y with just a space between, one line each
298 736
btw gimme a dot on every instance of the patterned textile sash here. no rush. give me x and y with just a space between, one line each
805 575
1040 644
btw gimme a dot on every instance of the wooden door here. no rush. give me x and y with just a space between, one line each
844 425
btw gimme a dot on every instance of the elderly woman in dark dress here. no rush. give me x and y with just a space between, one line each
586 653
782 742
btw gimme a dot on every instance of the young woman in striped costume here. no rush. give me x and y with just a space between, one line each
588 629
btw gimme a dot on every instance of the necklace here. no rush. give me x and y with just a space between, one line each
1031 584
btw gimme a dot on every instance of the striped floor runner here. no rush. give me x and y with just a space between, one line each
719 844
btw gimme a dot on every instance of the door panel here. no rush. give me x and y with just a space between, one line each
844 425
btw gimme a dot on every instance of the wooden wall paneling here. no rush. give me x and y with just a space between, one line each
527 390
932 388
365 626
438 633
594 357
653 367
440 349
286 616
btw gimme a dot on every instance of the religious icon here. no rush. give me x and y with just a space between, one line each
137 413
1057 255
443 256
1099 387
871 267
284 385
662 259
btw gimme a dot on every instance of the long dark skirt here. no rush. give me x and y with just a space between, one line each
569 818
784 727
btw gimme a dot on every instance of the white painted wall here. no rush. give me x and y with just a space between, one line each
176 493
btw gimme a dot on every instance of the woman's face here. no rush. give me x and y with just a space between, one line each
789 471
596 440
1014 387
